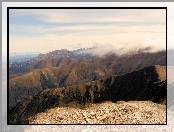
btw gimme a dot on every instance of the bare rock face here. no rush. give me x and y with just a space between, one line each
140 112
146 84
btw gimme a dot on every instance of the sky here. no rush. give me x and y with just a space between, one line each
45 30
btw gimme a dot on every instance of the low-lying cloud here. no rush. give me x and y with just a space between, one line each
122 49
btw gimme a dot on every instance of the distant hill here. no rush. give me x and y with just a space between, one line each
148 83
64 57
56 54
61 72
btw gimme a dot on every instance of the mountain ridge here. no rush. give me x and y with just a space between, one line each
145 84
60 72
50 59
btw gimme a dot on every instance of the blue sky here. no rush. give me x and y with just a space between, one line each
39 30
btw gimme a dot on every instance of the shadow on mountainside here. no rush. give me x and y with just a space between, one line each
141 85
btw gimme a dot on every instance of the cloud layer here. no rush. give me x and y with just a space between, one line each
46 30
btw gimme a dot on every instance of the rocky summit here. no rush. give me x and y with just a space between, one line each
133 112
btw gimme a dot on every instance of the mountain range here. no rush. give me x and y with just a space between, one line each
47 71
64 78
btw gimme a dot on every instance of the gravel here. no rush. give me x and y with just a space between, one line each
132 112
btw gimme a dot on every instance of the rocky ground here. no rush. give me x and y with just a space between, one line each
132 112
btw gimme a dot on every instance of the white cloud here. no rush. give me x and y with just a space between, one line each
149 37
62 37
95 29
43 43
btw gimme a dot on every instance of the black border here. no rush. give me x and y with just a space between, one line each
8 8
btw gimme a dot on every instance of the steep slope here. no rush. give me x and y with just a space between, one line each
146 84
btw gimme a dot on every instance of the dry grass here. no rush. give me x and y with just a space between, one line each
161 70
